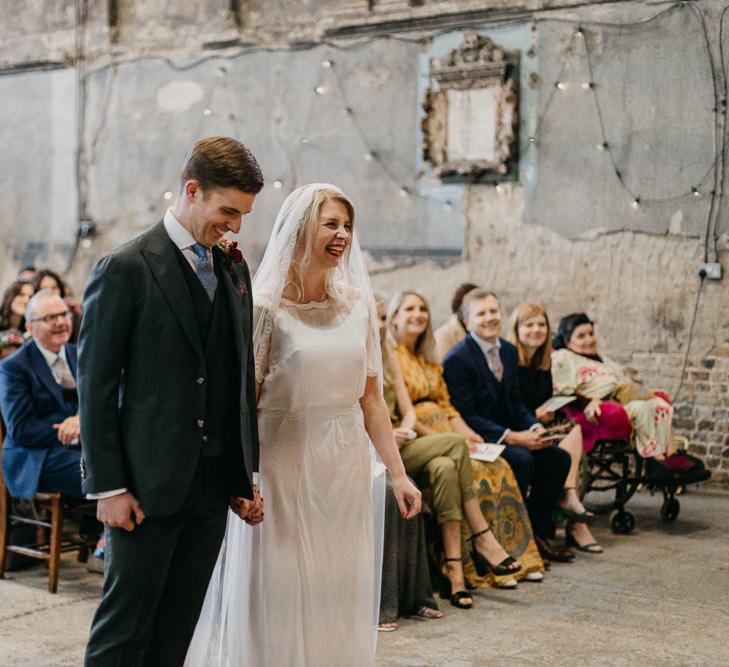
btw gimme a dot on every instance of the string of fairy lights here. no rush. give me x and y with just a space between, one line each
327 83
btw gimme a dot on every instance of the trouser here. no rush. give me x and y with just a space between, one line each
545 471
156 577
62 471
441 462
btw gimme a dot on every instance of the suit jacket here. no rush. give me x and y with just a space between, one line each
488 406
142 382
31 402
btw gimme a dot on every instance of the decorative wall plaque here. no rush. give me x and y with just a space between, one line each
470 126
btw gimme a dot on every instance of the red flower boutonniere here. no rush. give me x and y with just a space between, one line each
230 248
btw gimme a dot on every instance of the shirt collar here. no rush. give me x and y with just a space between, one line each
177 233
485 346
51 357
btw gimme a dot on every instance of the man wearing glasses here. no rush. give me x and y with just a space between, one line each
39 404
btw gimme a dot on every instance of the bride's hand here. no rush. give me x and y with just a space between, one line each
407 496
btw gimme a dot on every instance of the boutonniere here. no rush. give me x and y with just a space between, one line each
231 250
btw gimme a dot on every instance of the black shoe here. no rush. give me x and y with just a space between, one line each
458 598
482 565
556 554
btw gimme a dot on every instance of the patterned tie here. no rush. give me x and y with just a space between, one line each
63 374
494 361
204 269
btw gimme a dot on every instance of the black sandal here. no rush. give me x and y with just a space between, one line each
446 590
482 565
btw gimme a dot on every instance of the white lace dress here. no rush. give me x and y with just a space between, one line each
316 543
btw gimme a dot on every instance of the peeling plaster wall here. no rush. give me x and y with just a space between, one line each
564 234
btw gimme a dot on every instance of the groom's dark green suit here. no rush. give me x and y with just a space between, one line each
168 411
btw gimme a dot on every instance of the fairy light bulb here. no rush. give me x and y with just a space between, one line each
277 184
562 85
404 192
636 203
167 195
320 90
207 112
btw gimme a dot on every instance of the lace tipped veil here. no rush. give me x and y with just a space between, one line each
227 629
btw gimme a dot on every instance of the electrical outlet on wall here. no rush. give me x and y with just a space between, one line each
710 270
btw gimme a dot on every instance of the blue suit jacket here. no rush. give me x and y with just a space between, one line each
487 406
31 402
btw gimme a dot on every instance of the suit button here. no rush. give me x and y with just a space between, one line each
200 380
200 423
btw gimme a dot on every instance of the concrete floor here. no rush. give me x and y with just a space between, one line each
657 597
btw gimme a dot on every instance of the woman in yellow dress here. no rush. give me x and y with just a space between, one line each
409 326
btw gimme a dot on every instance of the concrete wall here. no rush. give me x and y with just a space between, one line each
157 77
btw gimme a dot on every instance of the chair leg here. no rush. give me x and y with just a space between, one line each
54 552
4 530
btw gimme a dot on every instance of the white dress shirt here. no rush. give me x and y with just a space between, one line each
183 239
50 358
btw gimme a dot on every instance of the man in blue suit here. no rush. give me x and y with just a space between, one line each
39 403
481 374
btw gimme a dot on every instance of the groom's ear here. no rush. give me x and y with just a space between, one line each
191 190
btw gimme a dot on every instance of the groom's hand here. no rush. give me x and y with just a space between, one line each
251 511
120 511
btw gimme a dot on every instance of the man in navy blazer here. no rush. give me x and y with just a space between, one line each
39 403
481 374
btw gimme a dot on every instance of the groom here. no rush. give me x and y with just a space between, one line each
168 408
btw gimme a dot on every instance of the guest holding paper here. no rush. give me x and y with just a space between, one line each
530 333
482 376
495 492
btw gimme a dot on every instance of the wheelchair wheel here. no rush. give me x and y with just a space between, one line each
622 522
670 509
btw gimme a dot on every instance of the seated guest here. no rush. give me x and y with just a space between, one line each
10 341
15 301
578 369
27 273
453 330
482 376
439 458
39 403
406 586
47 279
530 334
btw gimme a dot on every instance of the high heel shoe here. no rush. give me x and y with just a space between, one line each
571 515
591 548
458 598
482 565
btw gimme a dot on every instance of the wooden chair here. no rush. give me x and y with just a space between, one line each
50 541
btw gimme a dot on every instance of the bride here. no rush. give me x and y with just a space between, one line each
301 588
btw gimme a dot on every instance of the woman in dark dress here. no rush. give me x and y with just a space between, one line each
406 584
530 333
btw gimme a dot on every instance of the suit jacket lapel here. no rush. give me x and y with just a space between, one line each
491 382
233 294
41 369
72 359
161 259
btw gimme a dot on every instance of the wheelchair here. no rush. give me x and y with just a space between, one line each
614 467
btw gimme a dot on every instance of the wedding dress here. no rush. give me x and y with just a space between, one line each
302 588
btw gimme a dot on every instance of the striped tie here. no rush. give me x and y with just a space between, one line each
204 269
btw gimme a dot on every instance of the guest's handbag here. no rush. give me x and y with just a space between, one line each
628 391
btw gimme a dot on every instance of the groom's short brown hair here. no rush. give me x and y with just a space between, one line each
222 162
